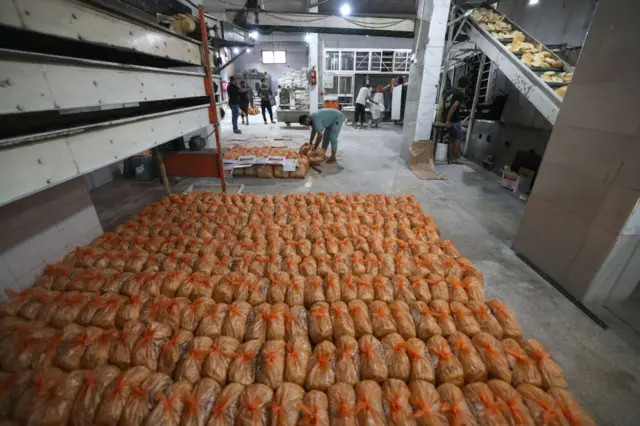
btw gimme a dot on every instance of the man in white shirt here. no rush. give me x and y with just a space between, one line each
364 96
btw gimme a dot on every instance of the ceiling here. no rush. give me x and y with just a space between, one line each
364 7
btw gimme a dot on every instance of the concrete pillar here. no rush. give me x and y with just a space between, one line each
424 74
589 180
313 42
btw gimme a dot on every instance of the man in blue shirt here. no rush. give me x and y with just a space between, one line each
327 122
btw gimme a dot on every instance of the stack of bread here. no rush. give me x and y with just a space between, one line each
299 309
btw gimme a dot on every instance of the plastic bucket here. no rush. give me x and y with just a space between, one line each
441 152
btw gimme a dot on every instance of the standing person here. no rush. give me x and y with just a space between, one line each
364 96
453 99
265 100
233 91
246 99
325 125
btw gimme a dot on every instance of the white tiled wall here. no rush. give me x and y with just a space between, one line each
41 229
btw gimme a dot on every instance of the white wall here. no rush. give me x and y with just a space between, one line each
363 42
552 21
42 229
296 58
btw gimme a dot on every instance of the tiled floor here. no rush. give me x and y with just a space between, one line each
482 219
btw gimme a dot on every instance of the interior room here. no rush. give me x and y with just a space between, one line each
300 212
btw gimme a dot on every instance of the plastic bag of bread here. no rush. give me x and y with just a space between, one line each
332 288
512 406
348 288
442 313
285 409
296 291
199 403
122 345
211 322
172 282
313 291
372 263
264 171
543 407
91 394
117 393
298 354
341 320
218 359
474 288
69 308
506 318
403 319
189 368
316 156
446 365
54 405
321 367
438 287
472 365
243 367
257 321
387 265
270 363
420 359
105 316
278 290
398 363
571 408
421 289
360 314
130 311
173 350
235 324
142 399
490 350
258 291
552 374
369 403
347 366
324 266
169 311
488 323
276 322
486 408
314 409
223 292
381 319
25 389
253 405
383 289
72 348
342 405
225 408
395 402
364 285
425 401
147 349
454 405
296 323
464 319
424 320
523 368
320 327
170 406
194 312
403 289
373 364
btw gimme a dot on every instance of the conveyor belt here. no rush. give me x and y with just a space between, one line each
526 80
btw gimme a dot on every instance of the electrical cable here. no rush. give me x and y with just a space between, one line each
373 27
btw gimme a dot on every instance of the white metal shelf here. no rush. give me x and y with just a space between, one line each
33 163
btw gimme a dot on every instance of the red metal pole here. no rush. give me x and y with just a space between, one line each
208 85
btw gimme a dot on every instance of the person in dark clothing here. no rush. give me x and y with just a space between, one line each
246 99
453 99
234 92
265 100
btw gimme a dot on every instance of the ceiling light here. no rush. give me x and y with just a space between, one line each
248 50
533 2
307 38
345 10
236 50
254 35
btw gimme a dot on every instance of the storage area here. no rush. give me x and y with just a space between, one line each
253 213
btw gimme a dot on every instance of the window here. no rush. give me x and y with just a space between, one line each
346 61
274 57
332 61
401 61
362 61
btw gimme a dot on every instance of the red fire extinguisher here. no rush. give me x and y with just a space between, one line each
313 76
